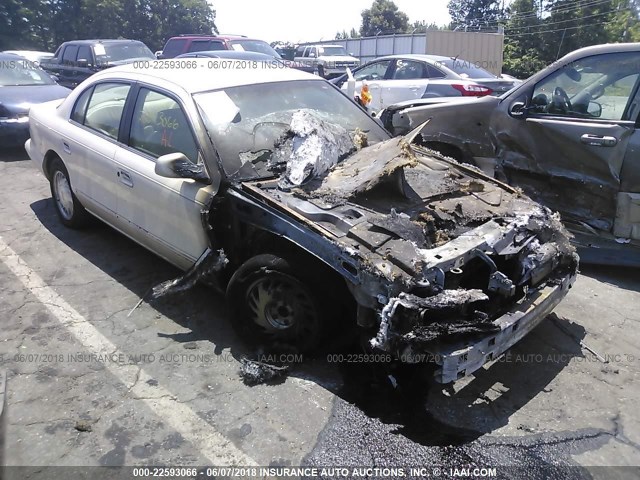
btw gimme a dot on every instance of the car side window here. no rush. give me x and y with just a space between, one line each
80 108
599 86
300 52
159 127
174 47
69 55
105 108
408 70
433 72
84 53
216 45
199 45
375 71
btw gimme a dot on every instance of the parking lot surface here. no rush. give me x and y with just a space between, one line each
91 380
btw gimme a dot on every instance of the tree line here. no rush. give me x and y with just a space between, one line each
45 24
537 32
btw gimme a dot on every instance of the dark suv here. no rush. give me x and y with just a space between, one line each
198 43
77 60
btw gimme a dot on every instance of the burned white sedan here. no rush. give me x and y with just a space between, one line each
274 185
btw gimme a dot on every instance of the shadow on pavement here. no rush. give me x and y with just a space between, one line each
13 154
627 278
200 309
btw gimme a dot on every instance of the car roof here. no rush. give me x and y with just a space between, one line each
233 54
416 56
105 40
184 78
215 37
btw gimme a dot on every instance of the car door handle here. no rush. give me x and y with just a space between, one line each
125 178
66 147
598 140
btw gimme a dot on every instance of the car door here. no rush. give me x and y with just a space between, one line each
374 75
163 214
564 139
69 56
89 147
407 80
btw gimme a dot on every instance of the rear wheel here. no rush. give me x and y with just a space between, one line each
280 304
69 209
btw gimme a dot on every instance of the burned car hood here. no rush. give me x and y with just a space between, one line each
407 212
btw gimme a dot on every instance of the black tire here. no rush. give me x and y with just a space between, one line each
69 209
281 304
320 70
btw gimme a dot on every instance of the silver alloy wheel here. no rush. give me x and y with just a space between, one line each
63 195
280 302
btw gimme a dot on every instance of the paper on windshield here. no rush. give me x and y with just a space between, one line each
218 108
238 47
99 49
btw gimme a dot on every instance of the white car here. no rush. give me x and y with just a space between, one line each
271 180
400 78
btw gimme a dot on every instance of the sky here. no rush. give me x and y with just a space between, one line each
302 21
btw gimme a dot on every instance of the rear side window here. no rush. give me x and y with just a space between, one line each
80 108
69 55
160 127
300 52
215 45
433 72
199 45
173 48
105 108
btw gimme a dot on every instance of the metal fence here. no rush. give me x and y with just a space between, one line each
482 49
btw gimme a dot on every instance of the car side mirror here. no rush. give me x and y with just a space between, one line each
518 109
54 78
83 62
595 109
312 55
177 165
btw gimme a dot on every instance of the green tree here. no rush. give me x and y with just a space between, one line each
522 54
383 18
475 13
45 24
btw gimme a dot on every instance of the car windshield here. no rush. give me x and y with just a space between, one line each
254 46
332 51
248 123
465 68
106 53
22 72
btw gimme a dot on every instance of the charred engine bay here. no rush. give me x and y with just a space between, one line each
437 251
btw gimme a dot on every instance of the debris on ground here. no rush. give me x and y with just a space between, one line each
83 426
209 262
255 373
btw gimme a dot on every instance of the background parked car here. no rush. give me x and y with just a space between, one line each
326 61
182 44
568 136
399 78
22 84
76 61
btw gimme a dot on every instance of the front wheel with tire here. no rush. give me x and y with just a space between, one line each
69 209
319 71
279 304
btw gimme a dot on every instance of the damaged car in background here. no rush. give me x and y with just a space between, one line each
273 185
568 136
